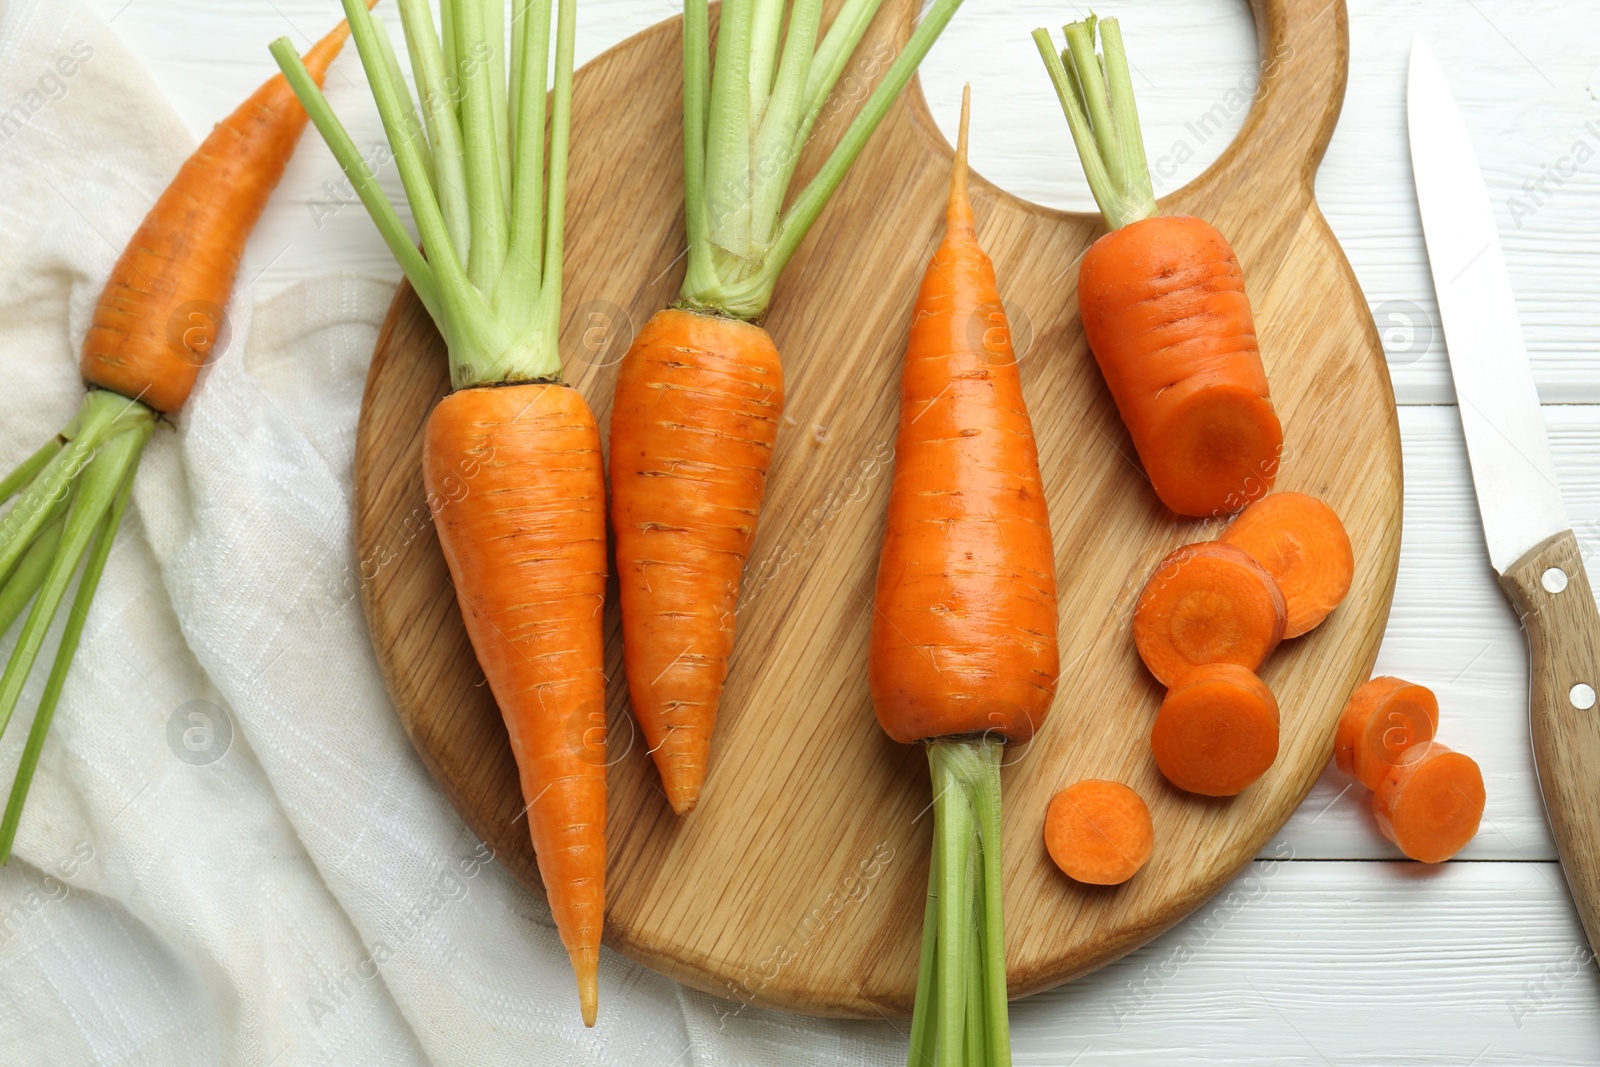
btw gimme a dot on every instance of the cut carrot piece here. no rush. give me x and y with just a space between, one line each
1383 721
1430 802
1207 603
1099 832
1217 731
1300 542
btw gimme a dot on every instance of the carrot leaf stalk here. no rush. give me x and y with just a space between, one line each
488 203
746 123
1096 94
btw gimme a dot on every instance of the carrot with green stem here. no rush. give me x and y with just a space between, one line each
526 547
963 653
154 326
699 394
1163 302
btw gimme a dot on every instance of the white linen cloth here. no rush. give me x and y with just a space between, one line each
231 854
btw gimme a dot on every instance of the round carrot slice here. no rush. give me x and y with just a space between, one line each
1207 603
1383 720
1099 832
1430 802
1217 731
1300 542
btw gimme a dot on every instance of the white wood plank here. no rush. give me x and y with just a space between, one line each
1341 964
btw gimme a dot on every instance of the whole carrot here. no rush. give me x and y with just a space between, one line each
526 544
154 326
963 647
700 393
1163 303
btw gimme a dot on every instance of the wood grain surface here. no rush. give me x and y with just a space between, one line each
798 881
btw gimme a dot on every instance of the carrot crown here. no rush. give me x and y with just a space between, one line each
474 170
745 124
1097 95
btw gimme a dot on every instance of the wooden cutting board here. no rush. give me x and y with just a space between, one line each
798 882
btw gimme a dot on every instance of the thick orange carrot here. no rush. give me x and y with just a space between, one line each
962 651
1300 542
692 430
1207 603
517 468
1217 730
1099 832
1163 302
1430 802
1382 721
160 314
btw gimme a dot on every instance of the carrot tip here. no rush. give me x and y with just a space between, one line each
589 995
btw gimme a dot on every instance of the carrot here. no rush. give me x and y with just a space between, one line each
962 652
1429 802
1207 603
1099 832
699 394
1383 720
154 325
1217 730
1300 541
1163 303
525 541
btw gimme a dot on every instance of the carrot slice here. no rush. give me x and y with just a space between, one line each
1300 541
1217 730
1099 832
1207 603
1383 720
1430 802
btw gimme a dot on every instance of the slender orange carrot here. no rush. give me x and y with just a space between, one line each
1430 802
1382 721
693 425
1163 302
1099 832
159 317
1300 541
963 649
1217 730
518 467
1207 603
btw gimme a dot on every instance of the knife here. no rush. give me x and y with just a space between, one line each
1531 543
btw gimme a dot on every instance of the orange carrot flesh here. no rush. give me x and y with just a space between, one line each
518 467
964 632
1207 603
1217 730
1099 832
159 318
1165 314
1300 541
1430 802
1383 720
693 425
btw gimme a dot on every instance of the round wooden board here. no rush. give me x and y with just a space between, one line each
798 882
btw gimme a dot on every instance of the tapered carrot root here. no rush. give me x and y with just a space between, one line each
1217 730
1207 603
1300 541
1166 316
693 425
949 655
159 317
1430 802
1099 832
1382 721
514 478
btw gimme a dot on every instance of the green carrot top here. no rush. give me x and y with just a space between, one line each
474 171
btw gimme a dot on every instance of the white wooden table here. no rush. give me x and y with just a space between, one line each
1328 949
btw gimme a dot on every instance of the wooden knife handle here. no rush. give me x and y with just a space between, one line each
1551 593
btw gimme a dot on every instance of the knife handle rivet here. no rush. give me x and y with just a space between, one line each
1554 580
1582 696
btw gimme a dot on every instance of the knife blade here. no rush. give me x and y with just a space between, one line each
1530 541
